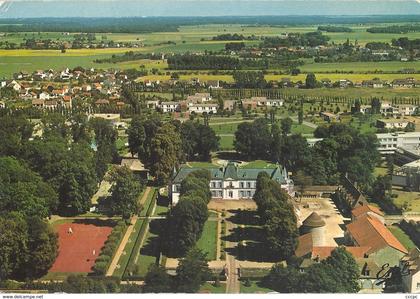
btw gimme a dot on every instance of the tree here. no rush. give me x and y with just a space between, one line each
253 139
42 248
302 180
124 192
198 140
276 143
192 271
70 170
13 244
281 230
24 191
286 125
310 81
136 136
166 152
105 137
157 280
283 279
14 134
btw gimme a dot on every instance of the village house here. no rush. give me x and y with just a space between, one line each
213 84
229 105
406 109
327 116
231 181
201 108
38 103
170 107
393 123
405 83
374 83
199 98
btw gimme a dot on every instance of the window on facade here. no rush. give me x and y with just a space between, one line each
249 193
213 184
248 184
220 194
241 193
418 286
213 193
242 184
230 194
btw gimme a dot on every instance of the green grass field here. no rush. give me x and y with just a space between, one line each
208 240
410 200
254 288
259 164
148 254
402 237
209 288
226 143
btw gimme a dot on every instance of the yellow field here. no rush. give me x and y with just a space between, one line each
69 52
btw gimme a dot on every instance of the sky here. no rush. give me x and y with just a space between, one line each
129 8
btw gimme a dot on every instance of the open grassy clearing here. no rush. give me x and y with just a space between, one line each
208 240
148 255
226 142
402 237
211 289
254 288
410 200
259 164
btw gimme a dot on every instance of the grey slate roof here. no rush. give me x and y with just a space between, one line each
233 172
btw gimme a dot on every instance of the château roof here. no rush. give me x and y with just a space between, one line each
232 172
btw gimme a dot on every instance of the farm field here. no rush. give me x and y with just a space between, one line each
193 39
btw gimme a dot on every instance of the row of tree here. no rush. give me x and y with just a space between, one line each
185 222
162 146
277 215
343 150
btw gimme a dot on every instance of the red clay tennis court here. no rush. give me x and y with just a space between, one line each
79 246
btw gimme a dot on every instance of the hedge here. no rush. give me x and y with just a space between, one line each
107 254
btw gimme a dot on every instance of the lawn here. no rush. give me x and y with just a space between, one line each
208 240
123 262
402 237
148 255
221 128
210 288
259 164
302 129
254 288
380 171
148 204
226 142
409 199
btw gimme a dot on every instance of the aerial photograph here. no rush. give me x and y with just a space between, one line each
209 147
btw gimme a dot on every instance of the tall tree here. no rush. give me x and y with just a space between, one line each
157 280
124 192
105 137
286 125
136 136
166 152
310 81
192 272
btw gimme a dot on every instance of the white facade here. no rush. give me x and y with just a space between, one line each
232 183
201 108
406 109
170 107
388 142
